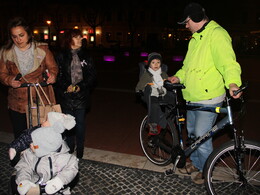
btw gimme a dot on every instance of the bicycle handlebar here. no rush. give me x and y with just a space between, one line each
208 108
217 109
43 84
242 88
171 86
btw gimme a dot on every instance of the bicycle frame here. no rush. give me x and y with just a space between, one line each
236 159
227 120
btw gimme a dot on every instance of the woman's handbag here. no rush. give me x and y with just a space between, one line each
36 113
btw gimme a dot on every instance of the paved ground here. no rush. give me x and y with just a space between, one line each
113 125
105 179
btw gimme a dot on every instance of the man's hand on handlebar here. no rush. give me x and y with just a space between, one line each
233 87
174 79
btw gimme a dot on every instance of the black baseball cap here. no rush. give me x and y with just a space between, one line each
193 10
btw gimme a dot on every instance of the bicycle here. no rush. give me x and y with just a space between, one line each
232 168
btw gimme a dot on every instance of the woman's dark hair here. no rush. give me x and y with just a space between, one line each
15 22
68 37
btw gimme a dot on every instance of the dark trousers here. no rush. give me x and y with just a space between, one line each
76 136
154 105
155 114
18 121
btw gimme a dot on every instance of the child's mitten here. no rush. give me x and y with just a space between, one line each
53 186
24 186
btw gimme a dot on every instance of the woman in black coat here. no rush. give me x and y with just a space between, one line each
75 81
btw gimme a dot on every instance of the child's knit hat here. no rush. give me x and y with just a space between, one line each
49 139
67 120
154 55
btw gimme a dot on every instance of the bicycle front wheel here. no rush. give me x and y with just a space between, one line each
221 173
158 148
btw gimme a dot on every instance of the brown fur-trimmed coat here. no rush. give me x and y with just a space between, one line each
43 59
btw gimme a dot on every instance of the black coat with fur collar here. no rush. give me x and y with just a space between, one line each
81 99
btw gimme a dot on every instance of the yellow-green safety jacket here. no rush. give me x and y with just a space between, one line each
209 65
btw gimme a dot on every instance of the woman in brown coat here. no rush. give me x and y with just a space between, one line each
31 59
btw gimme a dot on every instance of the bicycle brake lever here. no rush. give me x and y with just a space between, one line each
243 87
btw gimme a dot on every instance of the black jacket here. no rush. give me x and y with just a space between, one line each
23 141
82 98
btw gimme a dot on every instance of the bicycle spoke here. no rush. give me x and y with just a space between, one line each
157 148
223 175
253 165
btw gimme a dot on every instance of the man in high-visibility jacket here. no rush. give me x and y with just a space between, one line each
209 67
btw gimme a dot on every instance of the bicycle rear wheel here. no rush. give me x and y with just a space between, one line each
221 172
157 148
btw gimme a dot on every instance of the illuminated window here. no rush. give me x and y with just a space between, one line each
98 32
92 38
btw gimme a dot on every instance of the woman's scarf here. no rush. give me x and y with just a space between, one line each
76 71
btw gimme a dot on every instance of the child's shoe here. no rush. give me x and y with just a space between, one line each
154 129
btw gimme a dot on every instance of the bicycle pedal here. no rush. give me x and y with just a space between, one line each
168 172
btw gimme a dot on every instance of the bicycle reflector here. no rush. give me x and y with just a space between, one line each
217 110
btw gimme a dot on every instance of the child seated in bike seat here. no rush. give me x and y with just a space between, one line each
47 164
151 84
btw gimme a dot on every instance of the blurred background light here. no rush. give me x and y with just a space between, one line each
143 54
109 58
177 58
126 53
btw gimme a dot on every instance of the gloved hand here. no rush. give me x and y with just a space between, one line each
53 186
24 186
12 153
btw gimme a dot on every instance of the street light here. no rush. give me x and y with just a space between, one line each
49 31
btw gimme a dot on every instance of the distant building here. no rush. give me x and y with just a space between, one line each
130 23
